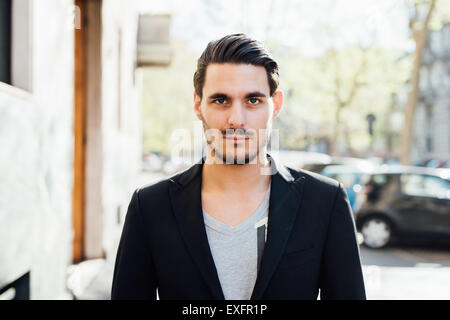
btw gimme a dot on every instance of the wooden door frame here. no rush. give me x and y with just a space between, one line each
88 142
79 160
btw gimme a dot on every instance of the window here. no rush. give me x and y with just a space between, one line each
15 43
379 180
424 78
425 186
436 75
5 41
436 43
380 183
429 143
446 37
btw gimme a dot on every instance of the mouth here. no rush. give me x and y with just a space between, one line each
236 139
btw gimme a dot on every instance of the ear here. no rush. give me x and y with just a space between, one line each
277 99
197 103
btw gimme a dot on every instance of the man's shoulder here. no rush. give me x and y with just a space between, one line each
153 187
161 186
314 180
319 192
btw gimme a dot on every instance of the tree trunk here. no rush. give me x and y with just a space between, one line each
334 137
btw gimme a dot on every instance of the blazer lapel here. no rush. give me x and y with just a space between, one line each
185 192
285 199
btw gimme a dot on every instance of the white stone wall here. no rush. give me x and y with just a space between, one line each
121 145
36 142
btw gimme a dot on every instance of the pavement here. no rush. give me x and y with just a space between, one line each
425 281
92 280
407 283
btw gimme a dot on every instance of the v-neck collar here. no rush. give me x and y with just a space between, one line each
222 227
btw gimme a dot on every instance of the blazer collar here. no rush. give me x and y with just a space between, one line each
285 198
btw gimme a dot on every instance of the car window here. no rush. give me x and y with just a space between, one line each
380 180
425 186
437 187
378 184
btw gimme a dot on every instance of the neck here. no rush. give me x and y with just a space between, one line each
235 179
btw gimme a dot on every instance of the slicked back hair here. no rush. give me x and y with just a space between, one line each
236 48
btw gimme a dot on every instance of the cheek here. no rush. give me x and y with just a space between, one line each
259 119
212 118
215 120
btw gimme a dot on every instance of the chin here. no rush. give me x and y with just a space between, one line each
238 160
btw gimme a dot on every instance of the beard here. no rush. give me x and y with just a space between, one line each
236 159
237 156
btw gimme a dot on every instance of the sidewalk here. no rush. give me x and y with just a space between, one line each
91 280
382 283
407 283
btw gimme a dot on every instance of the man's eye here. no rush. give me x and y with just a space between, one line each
220 101
253 100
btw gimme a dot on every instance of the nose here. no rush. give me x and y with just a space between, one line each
236 118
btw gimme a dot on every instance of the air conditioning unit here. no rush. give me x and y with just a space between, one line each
153 48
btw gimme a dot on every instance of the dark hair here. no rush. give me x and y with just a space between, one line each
236 48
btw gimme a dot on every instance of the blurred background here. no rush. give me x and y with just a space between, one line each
92 91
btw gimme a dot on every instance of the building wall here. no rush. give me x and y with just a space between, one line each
121 117
36 142
432 119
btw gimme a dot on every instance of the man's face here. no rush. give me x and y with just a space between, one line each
237 111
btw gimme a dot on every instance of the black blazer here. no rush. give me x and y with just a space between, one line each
311 242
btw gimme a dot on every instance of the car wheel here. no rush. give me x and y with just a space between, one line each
376 232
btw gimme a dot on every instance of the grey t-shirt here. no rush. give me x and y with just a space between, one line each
237 250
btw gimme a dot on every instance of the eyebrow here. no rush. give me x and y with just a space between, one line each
255 94
218 96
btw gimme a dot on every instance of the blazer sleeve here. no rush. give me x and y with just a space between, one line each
134 275
341 273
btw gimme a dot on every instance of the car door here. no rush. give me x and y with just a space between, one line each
438 191
424 204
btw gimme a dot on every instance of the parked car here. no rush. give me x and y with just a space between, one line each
316 161
445 164
433 163
402 203
357 163
353 178
312 161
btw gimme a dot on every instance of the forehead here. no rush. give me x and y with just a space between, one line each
235 79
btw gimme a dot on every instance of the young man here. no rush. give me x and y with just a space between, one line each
225 228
